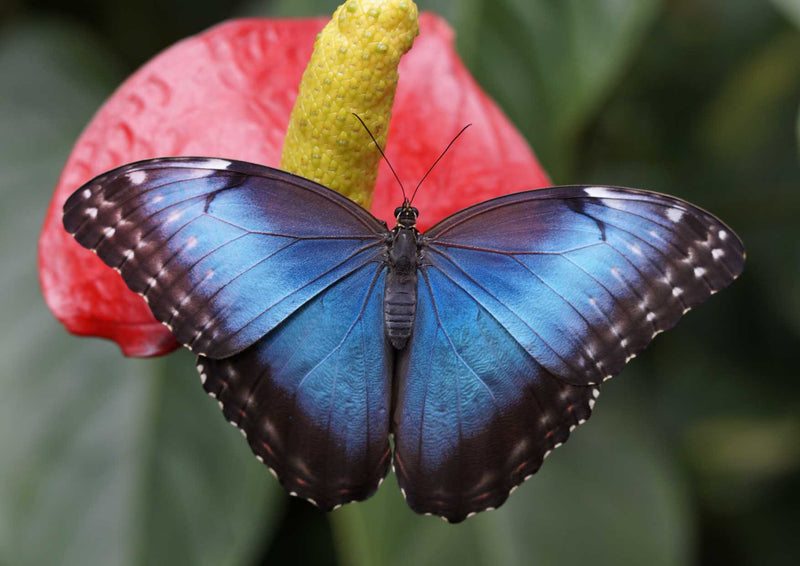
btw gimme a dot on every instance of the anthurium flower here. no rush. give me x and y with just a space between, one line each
229 92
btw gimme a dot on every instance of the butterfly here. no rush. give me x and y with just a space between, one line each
478 345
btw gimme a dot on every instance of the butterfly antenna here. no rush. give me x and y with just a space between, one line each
437 161
386 159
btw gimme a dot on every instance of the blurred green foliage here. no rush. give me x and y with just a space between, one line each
693 456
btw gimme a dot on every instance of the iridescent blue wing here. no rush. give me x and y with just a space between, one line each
276 282
526 304
313 396
221 249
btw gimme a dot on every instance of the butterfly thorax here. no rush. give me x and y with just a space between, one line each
400 294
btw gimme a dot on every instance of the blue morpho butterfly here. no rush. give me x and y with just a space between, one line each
479 345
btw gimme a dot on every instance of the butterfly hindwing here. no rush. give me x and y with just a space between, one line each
475 413
220 249
526 303
312 397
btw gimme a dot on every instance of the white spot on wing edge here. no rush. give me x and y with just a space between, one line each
723 235
202 371
215 163
137 177
599 192
86 193
675 214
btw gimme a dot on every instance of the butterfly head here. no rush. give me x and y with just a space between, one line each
406 215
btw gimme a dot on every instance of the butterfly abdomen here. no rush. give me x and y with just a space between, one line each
400 295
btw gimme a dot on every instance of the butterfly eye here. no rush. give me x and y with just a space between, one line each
397 211
415 211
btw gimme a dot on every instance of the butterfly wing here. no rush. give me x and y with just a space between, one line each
221 250
277 283
526 304
312 397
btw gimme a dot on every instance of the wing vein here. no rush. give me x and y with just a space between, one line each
490 294
308 283
450 341
573 307
509 253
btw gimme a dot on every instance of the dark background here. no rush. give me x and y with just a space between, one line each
693 455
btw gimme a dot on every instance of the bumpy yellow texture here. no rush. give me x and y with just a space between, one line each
353 70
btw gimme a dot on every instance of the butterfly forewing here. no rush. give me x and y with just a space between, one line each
223 251
584 277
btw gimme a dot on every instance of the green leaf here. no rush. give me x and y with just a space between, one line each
106 460
750 102
305 8
609 496
291 8
790 9
551 65
747 131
